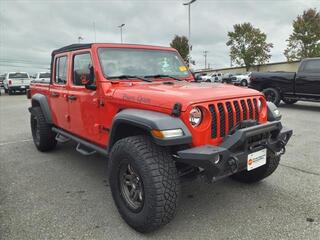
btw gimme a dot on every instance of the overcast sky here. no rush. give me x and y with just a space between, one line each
30 30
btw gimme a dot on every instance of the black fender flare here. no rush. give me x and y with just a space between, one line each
147 121
41 100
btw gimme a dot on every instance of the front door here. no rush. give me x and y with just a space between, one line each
58 93
308 78
83 103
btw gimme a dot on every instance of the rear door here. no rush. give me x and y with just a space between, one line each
59 92
308 78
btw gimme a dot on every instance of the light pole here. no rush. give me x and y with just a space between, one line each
121 26
189 28
79 39
205 53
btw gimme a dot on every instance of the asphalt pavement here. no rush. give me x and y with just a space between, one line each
64 195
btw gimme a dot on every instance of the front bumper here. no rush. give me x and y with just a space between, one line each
231 156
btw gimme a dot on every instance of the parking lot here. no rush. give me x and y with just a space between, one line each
64 195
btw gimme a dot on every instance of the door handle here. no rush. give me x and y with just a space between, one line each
55 94
72 97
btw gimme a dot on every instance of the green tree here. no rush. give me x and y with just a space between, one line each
248 45
305 39
181 44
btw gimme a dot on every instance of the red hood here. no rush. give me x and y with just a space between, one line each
166 95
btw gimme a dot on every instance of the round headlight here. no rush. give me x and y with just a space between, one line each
195 116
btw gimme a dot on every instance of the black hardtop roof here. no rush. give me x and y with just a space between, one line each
72 47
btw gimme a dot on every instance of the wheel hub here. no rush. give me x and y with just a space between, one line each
131 187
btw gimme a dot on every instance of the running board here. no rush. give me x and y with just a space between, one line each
62 139
84 147
85 150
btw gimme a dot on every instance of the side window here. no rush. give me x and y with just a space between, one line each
61 70
312 66
82 69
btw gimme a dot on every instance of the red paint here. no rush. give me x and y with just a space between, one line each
93 111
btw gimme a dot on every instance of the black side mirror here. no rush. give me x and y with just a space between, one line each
91 84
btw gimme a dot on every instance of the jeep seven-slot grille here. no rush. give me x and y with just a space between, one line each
225 116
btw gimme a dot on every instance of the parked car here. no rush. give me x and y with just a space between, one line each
42 77
2 77
16 81
290 87
154 124
241 79
212 77
226 77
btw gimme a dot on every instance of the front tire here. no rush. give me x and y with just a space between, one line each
153 173
272 95
259 173
43 136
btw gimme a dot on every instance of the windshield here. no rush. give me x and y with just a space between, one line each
18 75
140 62
44 75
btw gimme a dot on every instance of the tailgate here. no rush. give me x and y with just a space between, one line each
20 82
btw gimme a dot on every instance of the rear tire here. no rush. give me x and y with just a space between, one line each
10 92
272 95
156 178
289 101
260 173
43 136
244 83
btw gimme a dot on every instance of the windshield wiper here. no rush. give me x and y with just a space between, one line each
163 76
130 76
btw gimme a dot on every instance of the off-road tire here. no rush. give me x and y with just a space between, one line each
5 90
45 138
289 101
161 187
259 173
10 92
272 95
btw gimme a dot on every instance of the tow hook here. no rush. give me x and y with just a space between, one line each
283 148
233 164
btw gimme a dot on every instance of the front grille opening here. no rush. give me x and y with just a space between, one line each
213 121
237 108
222 120
230 116
244 110
250 109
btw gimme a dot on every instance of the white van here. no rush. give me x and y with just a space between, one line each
16 81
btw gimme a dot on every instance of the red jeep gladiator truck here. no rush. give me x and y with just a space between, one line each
140 106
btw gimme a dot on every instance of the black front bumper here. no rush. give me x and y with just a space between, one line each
231 156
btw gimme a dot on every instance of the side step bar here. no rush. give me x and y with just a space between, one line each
84 150
62 139
83 147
